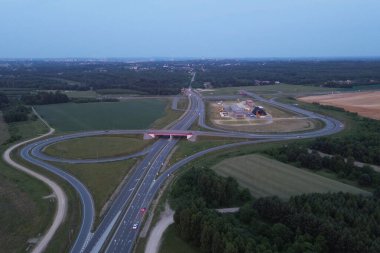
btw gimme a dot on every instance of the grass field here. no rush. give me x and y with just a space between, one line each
172 243
169 117
119 92
4 134
24 214
98 146
81 94
27 129
101 179
187 148
131 114
182 103
267 177
15 92
270 89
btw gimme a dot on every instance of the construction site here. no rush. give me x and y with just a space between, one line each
254 116
239 110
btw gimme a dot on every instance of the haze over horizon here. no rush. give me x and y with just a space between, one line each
196 29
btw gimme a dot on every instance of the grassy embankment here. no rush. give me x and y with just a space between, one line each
98 146
38 219
24 212
170 115
101 179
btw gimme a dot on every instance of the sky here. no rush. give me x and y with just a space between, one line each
192 28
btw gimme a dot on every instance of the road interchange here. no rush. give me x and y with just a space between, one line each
115 232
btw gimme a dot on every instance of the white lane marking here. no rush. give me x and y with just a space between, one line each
102 239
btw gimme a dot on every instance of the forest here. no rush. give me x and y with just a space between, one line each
363 144
300 156
339 222
328 73
168 77
44 98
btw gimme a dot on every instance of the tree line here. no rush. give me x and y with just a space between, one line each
301 156
168 77
339 222
341 74
44 98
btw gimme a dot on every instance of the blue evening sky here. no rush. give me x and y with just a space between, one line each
193 28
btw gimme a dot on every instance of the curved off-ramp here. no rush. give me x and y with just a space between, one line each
159 151
59 194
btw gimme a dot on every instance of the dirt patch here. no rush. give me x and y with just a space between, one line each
366 104
154 239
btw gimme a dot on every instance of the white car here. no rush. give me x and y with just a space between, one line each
135 226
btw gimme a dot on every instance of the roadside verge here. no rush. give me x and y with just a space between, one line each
59 194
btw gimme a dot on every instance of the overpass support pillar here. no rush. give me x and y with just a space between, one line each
191 137
149 136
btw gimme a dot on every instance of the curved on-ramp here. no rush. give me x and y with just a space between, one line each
33 151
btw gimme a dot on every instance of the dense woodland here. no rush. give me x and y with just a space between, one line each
301 156
168 77
339 223
13 111
363 144
343 74
44 98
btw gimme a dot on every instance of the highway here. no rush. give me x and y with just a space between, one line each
115 232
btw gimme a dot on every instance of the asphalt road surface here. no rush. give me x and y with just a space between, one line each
119 228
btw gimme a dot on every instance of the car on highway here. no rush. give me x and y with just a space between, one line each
135 226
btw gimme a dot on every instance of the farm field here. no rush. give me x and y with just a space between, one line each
97 146
119 92
80 94
366 104
268 89
131 114
267 177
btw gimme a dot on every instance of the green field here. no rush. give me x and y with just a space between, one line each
172 243
80 94
169 117
101 179
267 177
98 146
24 214
268 89
131 114
119 92
4 134
186 148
